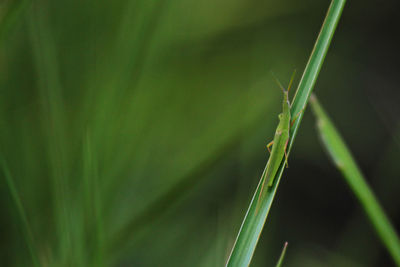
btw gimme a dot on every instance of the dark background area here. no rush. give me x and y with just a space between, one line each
135 131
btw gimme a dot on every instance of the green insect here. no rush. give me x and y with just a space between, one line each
280 141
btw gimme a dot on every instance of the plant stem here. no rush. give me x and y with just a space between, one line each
252 225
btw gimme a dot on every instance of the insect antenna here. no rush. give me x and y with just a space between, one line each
279 83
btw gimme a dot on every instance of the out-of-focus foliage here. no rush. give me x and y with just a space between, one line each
135 131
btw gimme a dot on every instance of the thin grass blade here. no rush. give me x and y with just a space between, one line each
345 162
92 200
22 214
55 121
282 257
252 225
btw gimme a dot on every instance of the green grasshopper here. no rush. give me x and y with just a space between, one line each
280 141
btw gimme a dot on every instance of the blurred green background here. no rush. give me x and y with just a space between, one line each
135 131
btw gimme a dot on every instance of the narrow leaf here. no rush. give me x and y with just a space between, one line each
21 212
345 162
281 258
252 225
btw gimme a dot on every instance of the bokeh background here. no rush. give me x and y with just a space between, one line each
135 130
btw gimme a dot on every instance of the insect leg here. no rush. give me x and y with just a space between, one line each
269 145
286 156
296 117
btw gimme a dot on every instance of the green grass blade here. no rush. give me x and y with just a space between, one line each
92 200
282 257
50 92
314 64
345 162
252 225
21 212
